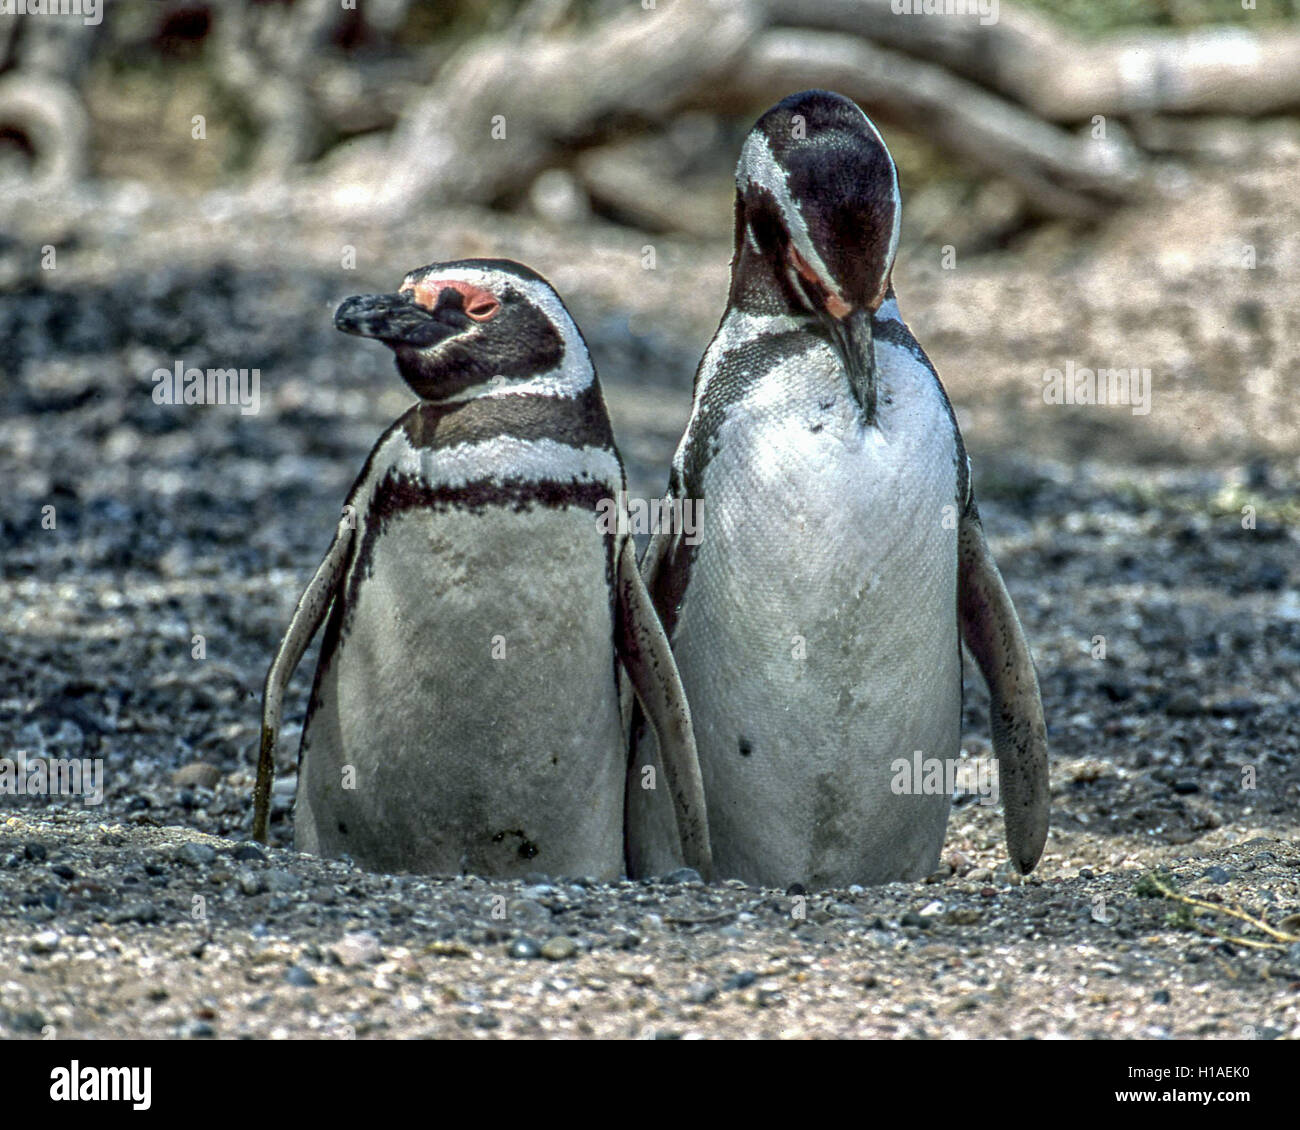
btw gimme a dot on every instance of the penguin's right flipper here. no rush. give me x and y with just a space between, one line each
648 660
307 618
992 632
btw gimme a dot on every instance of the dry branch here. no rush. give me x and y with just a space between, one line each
1059 173
548 95
1063 77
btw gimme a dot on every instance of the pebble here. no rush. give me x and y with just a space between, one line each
354 950
1217 874
980 875
740 980
250 882
524 949
142 912
195 854
527 912
45 942
559 948
299 977
282 882
683 875
700 993
63 871
34 852
197 775
1161 996
249 853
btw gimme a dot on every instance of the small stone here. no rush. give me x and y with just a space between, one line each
559 948
282 882
196 855
34 853
142 912
524 949
796 889
197 775
1087 873
1217 874
980 875
683 875
198 1030
700 993
1161 996
527 912
1183 705
45 942
962 916
739 981
299 977
249 853
63 871
355 949
911 918
250 882
1186 788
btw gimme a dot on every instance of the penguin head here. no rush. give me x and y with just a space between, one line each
818 205
472 326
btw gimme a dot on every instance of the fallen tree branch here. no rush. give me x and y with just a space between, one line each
1063 77
1060 174
505 108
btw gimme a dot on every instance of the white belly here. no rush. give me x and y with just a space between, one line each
473 699
818 640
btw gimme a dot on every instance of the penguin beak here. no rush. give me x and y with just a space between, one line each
851 335
395 319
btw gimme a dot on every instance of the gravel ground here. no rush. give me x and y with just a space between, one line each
1166 633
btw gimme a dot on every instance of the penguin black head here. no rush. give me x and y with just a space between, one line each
472 325
817 218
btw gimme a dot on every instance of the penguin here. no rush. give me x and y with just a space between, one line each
839 559
484 605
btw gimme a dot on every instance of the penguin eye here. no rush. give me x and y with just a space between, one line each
482 307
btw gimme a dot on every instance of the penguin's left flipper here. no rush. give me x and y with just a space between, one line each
648 660
307 618
992 632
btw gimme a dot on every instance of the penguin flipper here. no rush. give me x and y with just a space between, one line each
648 660
992 632
307 618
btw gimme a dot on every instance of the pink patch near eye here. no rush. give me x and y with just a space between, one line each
480 303
835 305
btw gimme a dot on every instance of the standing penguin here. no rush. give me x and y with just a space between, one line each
816 622
465 715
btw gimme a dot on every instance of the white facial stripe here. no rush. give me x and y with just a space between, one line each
898 196
758 166
498 459
575 373
571 379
